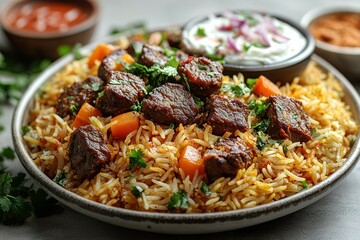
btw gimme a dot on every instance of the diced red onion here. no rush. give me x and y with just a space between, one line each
232 44
263 35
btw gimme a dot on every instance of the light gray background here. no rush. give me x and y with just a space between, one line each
337 216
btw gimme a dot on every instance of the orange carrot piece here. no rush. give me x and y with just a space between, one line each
125 123
191 161
126 58
265 87
101 51
86 111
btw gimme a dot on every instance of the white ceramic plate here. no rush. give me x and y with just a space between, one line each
171 222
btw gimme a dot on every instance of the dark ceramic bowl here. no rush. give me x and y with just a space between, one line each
345 59
45 44
279 71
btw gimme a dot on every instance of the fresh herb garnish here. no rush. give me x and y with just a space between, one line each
200 32
304 184
136 107
136 191
250 82
74 109
25 129
178 200
202 67
64 49
211 74
258 108
314 133
136 159
260 141
172 125
198 102
60 178
262 125
238 90
285 148
205 189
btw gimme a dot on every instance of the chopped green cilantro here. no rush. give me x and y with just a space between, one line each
261 125
260 142
14 206
211 74
352 141
205 189
100 94
186 81
60 178
136 191
314 133
25 129
304 184
202 67
295 116
258 108
200 32
74 109
172 62
136 159
64 49
172 125
198 102
238 90
136 107
178 200
285 148
250 82
7 153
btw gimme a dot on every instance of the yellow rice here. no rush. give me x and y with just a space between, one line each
273 175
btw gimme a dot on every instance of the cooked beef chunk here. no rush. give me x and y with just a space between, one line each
181 56
120 93
110 63
227 115
174 38
287 119
77 94
88 151
226 158
152 54
170 103
135 48
202 75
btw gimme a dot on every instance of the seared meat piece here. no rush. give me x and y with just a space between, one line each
203 75
122 91
110 63
88 151
181 56
152 54
174 38
170 103
77 94
227 115
287 119
226 158
135 48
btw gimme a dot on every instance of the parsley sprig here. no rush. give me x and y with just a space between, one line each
136 159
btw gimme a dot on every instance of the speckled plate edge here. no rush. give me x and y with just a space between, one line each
179 223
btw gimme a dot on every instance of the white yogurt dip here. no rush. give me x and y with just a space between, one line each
245 38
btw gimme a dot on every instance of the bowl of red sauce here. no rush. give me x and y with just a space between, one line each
36 28
336 30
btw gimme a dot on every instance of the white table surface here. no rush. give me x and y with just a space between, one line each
336 216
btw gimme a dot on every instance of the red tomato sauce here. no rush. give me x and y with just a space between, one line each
47 16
